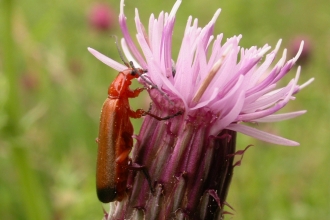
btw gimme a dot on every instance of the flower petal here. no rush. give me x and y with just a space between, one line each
280 117
261 135
106 60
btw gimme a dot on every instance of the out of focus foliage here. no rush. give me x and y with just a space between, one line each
52 90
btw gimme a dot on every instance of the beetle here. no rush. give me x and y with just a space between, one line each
115 136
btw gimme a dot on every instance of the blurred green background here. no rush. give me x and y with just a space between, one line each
52 90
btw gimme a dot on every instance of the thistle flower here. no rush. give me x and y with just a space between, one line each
221 88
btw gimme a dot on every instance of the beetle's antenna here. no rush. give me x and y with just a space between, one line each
131 65
120 51
153 86
142 77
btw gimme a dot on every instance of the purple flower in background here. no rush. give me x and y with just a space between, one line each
307 51
101 17
221 87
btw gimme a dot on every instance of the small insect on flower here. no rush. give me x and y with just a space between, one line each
115 136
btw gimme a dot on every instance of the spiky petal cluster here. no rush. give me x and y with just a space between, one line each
234 89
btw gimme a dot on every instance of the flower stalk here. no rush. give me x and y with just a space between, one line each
190 157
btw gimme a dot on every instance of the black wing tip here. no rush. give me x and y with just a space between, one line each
106 195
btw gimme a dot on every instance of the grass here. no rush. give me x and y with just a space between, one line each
52 90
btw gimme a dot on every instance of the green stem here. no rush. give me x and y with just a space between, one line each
31 193
12 106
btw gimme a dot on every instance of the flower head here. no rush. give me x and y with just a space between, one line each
208 75
219 86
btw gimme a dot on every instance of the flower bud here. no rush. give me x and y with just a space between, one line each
101 17
307 49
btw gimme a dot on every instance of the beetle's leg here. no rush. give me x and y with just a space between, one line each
123 156
134 93
135 166
136 114
140 112
163 118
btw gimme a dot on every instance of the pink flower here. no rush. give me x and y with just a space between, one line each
235 90
222 88
307 51
101 17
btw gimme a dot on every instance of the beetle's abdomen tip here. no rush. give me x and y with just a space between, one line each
106 195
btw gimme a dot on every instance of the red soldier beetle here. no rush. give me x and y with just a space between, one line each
115 136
